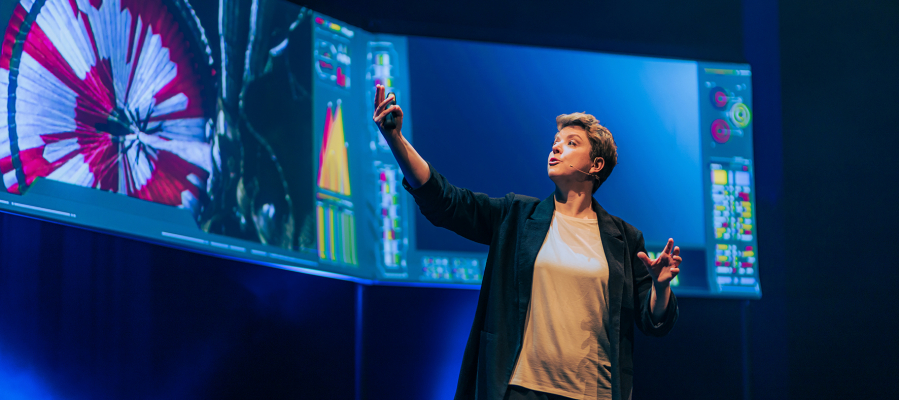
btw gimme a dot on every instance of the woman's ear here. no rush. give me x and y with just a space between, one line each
598 164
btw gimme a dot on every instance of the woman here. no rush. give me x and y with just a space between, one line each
564 283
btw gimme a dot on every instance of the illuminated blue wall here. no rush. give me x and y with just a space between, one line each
504 121
88 315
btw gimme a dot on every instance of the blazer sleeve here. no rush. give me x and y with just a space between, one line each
643 284
471 215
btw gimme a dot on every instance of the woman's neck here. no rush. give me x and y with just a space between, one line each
573 203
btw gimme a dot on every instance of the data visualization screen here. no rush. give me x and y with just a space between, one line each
245 131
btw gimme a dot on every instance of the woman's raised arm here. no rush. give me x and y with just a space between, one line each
414 167
474 216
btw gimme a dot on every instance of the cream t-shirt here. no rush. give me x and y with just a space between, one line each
565 348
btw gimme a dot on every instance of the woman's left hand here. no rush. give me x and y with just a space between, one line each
665 267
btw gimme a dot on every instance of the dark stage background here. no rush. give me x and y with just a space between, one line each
88 315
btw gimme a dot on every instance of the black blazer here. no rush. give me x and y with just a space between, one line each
515 227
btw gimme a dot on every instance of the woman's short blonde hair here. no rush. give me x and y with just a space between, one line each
602 143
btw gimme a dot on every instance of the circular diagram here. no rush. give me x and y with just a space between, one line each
115 97
740 115
721 131
718 97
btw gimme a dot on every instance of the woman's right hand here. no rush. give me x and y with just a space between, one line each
381 112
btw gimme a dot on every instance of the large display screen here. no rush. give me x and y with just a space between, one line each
244 129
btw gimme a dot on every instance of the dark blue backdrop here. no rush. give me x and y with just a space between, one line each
87 315
485 118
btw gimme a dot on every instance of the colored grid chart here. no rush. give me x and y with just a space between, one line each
335 222
459 269
393 237
436 268
466 269
382 70
734 259
732 208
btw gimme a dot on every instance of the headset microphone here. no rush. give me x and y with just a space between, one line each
591 175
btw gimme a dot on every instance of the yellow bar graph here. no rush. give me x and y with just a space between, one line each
331 233
336 230
345 229
351 234
320 221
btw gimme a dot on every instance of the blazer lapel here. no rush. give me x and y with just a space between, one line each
614 249
529 244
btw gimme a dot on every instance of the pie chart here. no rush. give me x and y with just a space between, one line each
721 131
740 114
718 97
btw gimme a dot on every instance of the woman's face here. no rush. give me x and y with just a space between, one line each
571 150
